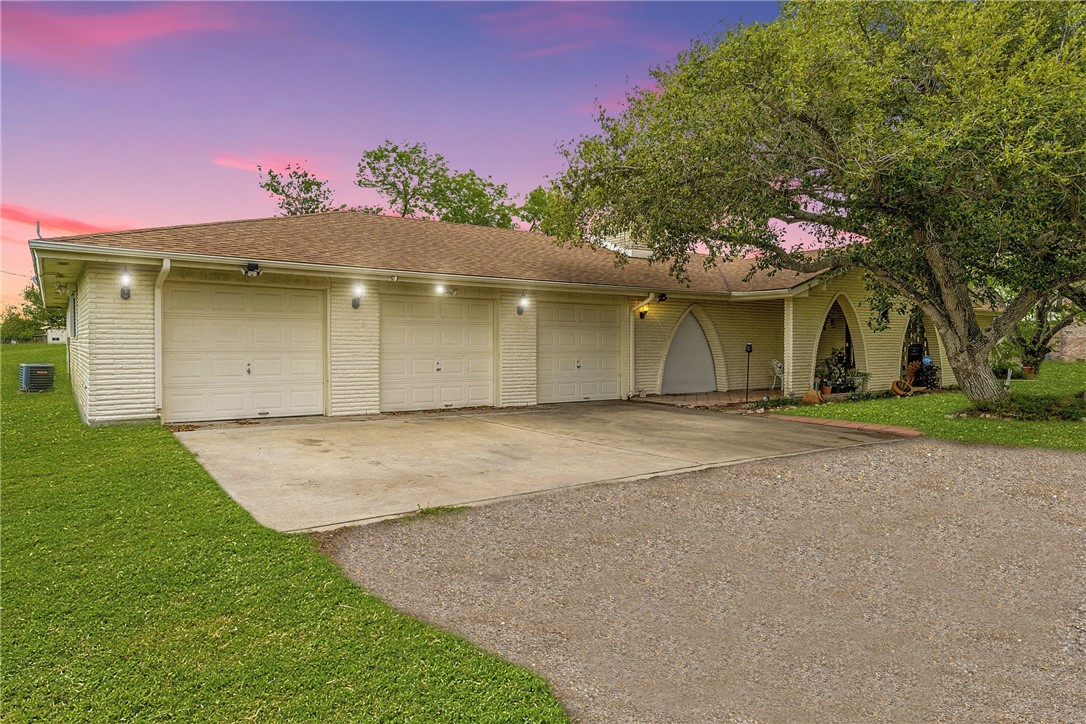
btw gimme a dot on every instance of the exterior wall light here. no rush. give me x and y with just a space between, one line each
252 269
126 284
359 290
523 303
439 289
661 297
643 311
442 289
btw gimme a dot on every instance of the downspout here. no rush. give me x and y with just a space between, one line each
631 391
162 274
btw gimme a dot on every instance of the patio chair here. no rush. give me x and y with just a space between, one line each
778 374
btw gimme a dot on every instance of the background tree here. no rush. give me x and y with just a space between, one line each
416 182
406 175
534 209
297 191
1033 335
939 146
466 198
22 322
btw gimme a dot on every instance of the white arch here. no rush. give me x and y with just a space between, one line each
711 337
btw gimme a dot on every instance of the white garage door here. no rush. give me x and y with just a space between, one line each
579 352
436 352
232 352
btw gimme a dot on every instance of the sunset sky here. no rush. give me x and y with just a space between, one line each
148 114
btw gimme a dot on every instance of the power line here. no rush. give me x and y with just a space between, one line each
14 274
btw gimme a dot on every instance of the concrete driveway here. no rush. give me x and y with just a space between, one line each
316 473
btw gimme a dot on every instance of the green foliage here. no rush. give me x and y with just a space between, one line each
24 321
298 191
466 198
1036 407
407 175
418 183
939 415
534 210
136 589
1032 336
951 136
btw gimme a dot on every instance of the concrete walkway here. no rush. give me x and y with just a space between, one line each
324 473
709 399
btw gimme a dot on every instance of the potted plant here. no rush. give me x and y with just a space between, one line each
822 381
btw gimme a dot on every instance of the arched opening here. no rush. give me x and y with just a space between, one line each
689 367
839 359
920 352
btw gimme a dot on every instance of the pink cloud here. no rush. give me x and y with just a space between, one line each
274 161
545 30
73 40
53 224
551 19
19 224
613 103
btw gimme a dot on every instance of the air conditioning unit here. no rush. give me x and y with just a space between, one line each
35 378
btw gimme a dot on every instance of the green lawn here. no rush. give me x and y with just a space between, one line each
928 413
134 588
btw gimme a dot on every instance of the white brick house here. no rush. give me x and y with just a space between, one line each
348 314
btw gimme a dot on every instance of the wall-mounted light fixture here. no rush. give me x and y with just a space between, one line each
523 303
359 290
126 284
449 291
439 289
643 311
661 297
252 269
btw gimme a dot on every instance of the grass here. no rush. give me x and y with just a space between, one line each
134 588
936 414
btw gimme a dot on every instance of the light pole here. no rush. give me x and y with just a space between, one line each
746 390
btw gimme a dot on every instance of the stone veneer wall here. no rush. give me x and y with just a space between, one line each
1070 344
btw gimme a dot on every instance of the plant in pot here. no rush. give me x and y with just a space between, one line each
822 381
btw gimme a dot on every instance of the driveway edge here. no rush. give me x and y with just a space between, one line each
853 425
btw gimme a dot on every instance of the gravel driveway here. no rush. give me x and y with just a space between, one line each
912 581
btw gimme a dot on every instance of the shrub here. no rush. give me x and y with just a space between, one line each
1035 407
1000 371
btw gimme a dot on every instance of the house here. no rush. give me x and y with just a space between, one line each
345 313
56 335
1070 344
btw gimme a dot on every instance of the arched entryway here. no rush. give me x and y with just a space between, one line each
689 366
839 361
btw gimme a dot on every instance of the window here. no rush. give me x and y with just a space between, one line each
72 329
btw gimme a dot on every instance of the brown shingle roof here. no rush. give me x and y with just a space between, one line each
356 240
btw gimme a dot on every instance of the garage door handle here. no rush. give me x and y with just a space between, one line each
249 368
578 364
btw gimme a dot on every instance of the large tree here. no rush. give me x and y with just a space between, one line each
22 322
407 175
297 190
417 183
939 146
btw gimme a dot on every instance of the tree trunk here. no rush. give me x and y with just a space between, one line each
977 380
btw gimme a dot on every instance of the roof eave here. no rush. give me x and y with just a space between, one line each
120 255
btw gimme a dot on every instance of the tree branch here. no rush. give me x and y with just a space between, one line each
1012 314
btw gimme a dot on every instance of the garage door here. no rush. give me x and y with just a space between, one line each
435 353
233 352
579 352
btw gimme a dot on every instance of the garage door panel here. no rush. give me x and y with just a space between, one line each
234 351
436 353
418 310
393 309
578 350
